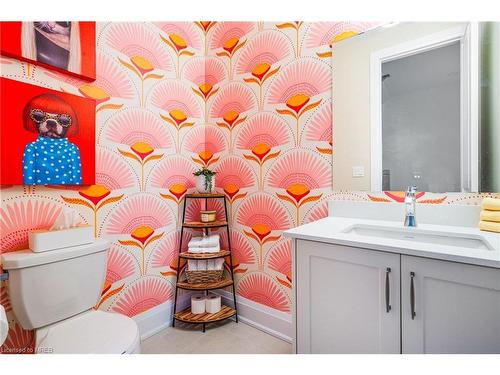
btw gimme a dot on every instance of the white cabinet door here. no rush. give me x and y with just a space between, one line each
456 307
341 304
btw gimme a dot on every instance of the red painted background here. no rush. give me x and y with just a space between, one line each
10 45
13 136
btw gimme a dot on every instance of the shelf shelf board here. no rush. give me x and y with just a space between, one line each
227 281
205 286
205 195
220 254
199 224
187 317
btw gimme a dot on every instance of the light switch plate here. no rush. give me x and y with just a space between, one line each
358 171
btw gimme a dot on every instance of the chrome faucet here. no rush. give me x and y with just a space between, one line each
410 200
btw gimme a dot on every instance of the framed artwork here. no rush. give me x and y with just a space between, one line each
46 137
68 46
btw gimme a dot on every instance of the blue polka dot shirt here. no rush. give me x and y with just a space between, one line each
49 161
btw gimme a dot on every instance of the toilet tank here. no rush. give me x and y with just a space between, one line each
47 287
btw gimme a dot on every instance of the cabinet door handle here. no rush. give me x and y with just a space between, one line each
387 290
412 295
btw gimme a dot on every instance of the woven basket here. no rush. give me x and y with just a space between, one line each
201 277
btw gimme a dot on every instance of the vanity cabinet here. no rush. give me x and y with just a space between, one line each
352 300
449 307
348 299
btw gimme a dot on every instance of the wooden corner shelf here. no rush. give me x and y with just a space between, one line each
220 254
228 281
200 224
205 286
188 317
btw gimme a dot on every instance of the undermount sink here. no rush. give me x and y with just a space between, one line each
462 240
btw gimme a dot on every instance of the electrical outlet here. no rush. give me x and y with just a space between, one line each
358 171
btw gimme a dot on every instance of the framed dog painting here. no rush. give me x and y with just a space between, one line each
68 46
46 137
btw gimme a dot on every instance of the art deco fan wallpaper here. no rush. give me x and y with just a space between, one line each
251 100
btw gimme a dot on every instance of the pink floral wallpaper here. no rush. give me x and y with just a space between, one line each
250 99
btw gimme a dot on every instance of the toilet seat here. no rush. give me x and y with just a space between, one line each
93 331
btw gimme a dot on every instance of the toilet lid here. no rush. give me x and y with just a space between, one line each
90 332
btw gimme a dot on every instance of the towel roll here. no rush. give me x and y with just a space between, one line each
210 264
197 265
219 263
192 265
213 304
198 304
489 215
492 204
4 325
489 226
202 265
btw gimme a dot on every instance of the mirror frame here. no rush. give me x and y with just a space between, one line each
468 36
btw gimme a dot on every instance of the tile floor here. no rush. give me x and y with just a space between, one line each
225 337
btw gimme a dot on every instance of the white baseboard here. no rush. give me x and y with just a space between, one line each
159 317
266 319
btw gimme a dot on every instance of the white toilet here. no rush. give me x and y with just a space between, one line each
53 292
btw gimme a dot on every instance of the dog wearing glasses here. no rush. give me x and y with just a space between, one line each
51 159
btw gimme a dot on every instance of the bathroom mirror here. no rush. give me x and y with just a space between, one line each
414 105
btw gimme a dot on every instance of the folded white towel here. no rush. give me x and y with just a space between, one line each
195 242
205 241
195 250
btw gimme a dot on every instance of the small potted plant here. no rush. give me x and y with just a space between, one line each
205 180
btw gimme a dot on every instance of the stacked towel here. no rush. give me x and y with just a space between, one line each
205 244
214 249
490 215
491 204
205 241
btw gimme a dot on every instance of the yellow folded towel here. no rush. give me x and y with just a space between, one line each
492 204
488 215
489 226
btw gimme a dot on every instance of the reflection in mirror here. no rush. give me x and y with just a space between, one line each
406 109
490 106
421 121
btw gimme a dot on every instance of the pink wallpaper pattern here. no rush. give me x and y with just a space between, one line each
250 99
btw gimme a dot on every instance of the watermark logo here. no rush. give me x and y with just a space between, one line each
27 350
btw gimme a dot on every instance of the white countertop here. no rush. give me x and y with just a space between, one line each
330 230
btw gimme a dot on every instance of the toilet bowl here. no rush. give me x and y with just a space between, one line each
92 332
54 293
